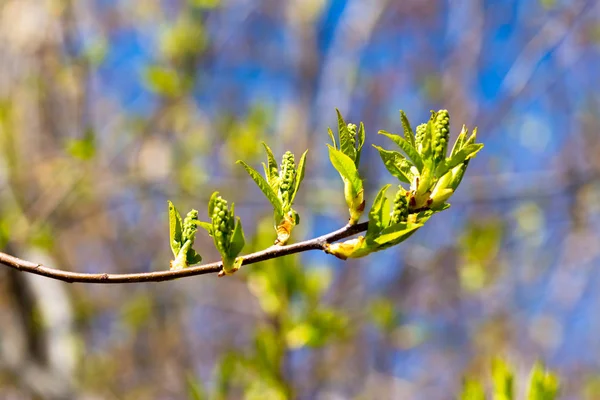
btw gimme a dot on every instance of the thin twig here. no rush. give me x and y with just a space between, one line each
159 276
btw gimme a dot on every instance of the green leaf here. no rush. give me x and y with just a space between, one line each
467 152
211 203
503 380
205 225
332 137
427 151
192 257
299 175
237 239
263 186
195 389
543 385
84 148
471 139
378 213
396 233
346 168
458 144
361 142
391 161
175 229
472 390
164 81
410 151
271 167
408 131
346 143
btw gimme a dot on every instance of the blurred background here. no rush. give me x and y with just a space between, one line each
110 107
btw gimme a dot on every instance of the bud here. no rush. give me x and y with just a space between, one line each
287 177
222 223
400 211
352 131
189 226
441 133
420 135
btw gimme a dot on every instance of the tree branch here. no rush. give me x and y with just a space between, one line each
159 276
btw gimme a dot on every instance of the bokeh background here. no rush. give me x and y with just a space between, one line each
110 107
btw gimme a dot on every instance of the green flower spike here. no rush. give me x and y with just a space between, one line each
419 136
387 227
280 187
226 231
345 160
182 235
432 176
441 134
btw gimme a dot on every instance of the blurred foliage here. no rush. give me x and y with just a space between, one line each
109 108
541 384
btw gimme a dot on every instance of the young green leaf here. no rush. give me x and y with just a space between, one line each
472 390
361 141
410 151
206 226
467 152
332 137
346 139
264 187
408 132
392 160
427 150
378 214
237 239
353 187
271 169
503 380
396 233
543 385
175 229
458 144
211 203
299 175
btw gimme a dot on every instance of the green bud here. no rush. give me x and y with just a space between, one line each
220 223
441 134
352 131
189 226
287 176
420 135
400 211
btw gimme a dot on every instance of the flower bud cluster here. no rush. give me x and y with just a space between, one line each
222 222
441 133
189 226
400 211
352 131
287 177
420 134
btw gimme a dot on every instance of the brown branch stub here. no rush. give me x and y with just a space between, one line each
318 243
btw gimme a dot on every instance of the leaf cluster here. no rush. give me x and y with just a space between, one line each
280 186
541 384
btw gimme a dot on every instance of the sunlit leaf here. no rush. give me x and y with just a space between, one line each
391 160
346 139
408 131
175 229
264 187
396 233
361 143
237 239
272 174
378 214
299 175
410 151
